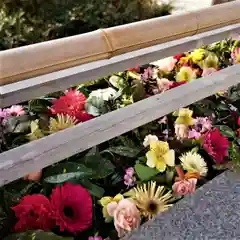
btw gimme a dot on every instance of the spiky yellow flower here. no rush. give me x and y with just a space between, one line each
160 156
194 163
186 74
61 122
150 199
36 132
184 116
105 201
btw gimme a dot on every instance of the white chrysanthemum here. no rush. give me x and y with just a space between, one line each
193 162
148 139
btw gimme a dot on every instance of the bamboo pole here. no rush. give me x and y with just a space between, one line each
38 59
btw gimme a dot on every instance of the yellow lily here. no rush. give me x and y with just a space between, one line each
160 156
36 132
184 117
185 74
104 201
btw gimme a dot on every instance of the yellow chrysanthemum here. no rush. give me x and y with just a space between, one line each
160 156
185 74
104 201
61 122
36 132
184 117
194 163
198 55
150 199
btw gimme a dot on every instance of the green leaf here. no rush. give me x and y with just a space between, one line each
39 105
61 178
94 189
145 173
102 167
226 131
139 92
125 151
234 154
36 235
67 167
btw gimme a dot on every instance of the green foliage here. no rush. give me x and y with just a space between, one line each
36 235
145 173
24 22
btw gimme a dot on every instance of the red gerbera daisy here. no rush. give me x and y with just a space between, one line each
216 145
72 104
72 207
33 212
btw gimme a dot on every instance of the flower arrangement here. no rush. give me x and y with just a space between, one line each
106 192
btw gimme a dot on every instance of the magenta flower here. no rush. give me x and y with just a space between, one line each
129 179
95 238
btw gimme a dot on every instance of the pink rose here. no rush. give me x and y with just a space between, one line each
184 187
163 84
95 238
208 71
126 217
33 176
167 64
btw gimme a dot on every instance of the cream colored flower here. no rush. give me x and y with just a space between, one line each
148 139
194 163
150 199
181 131
61 122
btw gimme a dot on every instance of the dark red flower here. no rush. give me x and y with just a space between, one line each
176 84
238 121
136 69
72 208
72 104
33 212
84 116
216 145
179 56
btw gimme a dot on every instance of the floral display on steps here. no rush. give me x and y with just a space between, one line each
113 188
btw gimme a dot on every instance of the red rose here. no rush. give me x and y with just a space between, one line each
33 212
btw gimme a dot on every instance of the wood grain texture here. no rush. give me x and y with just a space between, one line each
21 63
39 86
43 152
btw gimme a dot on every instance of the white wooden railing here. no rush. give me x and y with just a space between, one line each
43 152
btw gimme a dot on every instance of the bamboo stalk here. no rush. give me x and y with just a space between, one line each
38 59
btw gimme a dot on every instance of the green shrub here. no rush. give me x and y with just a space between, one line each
24 22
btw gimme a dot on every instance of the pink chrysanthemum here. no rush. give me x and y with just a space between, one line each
72 104
216 145
72 208
33 212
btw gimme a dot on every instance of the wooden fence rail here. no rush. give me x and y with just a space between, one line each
61 80
43 152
